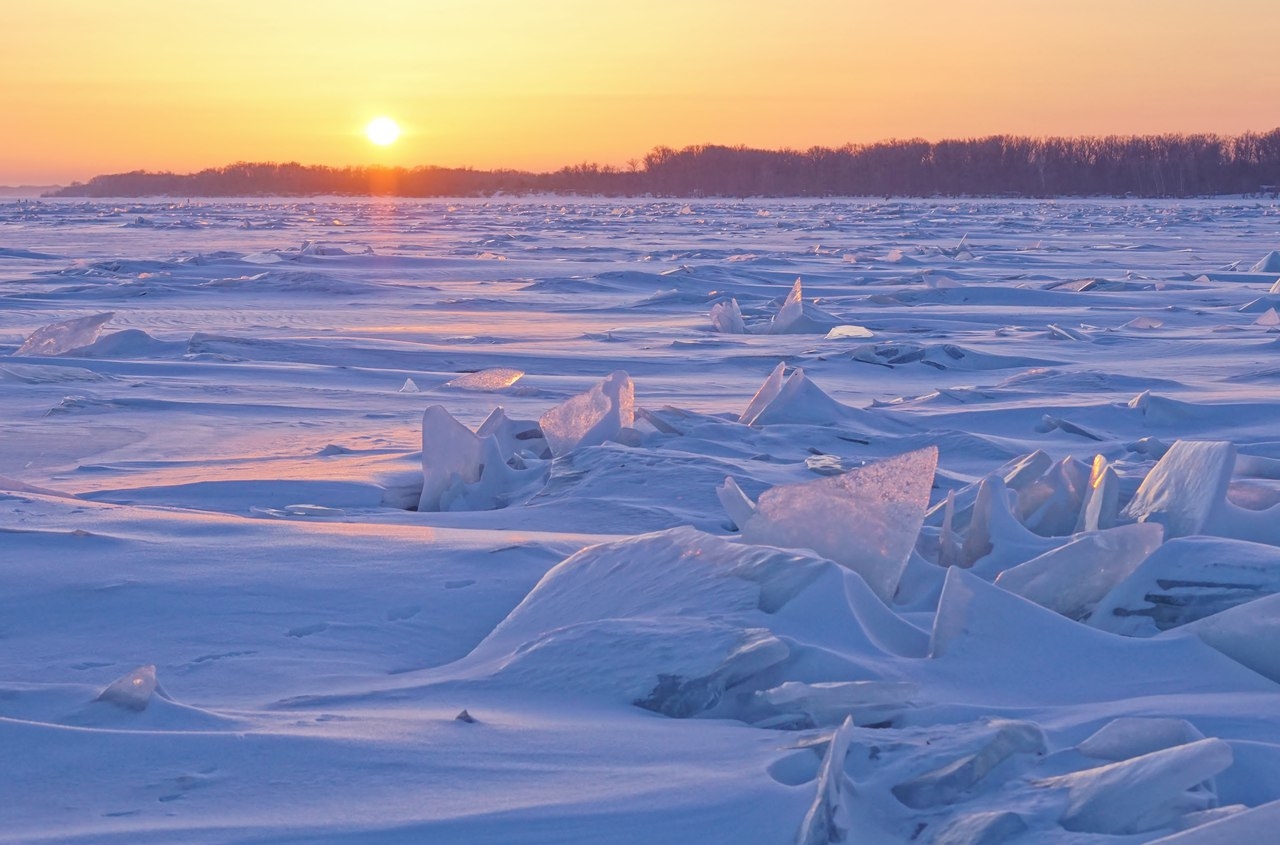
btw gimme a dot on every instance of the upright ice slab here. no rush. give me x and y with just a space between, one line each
866 519
1184 489
591 418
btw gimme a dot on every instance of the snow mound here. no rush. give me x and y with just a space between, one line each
60 338
1131 736
1254 825
1269 263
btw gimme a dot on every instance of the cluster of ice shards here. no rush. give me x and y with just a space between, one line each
795 316
480 470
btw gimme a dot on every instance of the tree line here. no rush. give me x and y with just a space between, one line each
1167 165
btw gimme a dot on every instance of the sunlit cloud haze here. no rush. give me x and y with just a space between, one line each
93 87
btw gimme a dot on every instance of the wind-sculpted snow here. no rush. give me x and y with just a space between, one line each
951 522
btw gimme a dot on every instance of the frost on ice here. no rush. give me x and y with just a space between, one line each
60 338
866 519
591 418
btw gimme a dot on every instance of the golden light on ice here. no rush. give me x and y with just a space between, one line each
382 131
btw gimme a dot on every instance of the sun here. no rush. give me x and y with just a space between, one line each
382 131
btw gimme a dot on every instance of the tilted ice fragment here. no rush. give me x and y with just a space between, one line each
1182 491
1132 736
726 317
1143 323
794 317
591 418
1074 577
514 437
865 702
946 784
452 456
494 378
133 691
827 820
1255 825
866 519
1141 793
1101 505
767 393
1187 579
409 386
57 338
1247 633
799 400
735 502
996 540
1050 506
1268 319
991 828
1269 263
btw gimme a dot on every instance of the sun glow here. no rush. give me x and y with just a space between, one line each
382 131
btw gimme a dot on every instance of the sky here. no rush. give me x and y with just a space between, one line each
99 87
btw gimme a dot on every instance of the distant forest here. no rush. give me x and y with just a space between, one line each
1000 165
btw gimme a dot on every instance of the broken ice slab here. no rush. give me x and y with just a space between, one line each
132 691
463 470
865 702
1101 505
1074 577
1133 736
591 418
1187 579
726 318
62 337
795 317
486 381
767 393
1142 793
827 820
866 519
1183 490
948 783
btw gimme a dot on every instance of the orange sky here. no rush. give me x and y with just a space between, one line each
92 86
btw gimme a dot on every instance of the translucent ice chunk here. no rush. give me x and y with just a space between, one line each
1269 318
494 378
798 400
1182 491
591 418
1072 578
1186 579
1133 736
866 519
849 331
726 317
735 502
1101 505
828 817
59 338
452 456
767 393
794 317
1141 793
409 386
133 691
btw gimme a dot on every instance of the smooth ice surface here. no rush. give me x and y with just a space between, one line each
866 519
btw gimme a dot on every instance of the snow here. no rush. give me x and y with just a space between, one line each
972 539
